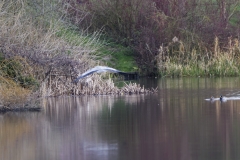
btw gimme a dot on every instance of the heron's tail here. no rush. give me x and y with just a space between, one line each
123 73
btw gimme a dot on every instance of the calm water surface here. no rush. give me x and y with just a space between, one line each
174 124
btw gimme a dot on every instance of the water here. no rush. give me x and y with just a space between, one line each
176 123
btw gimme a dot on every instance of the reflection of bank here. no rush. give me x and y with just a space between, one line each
62 107
66 111
84 125
73 127
14 128
87 127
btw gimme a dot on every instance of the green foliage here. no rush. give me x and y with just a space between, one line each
12 94
19 71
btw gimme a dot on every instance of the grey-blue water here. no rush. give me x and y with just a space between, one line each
177 123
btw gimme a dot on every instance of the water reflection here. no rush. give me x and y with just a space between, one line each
176 123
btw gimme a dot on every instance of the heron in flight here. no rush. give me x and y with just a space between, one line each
99 69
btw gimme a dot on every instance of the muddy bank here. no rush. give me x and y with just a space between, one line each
25 108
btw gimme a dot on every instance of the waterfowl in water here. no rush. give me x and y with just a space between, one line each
222 98
212 98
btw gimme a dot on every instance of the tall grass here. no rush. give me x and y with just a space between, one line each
178 60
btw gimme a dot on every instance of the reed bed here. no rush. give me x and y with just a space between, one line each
94 85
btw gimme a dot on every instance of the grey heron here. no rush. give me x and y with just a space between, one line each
99 69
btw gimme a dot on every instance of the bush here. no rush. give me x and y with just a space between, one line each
19 71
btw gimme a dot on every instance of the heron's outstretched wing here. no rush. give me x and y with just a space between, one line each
99 69
112 70
83 75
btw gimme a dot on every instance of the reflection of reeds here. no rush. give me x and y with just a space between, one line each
91 106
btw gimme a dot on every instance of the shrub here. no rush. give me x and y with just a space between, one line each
18 70
12 94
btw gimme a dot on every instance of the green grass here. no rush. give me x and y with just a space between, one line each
104 52
118 56
76 37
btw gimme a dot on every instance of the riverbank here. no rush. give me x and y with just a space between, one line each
37 47
42 49
19 99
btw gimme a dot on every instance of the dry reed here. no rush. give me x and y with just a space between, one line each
94 85
177 59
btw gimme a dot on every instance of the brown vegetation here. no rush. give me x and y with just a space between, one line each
95 85
14 97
